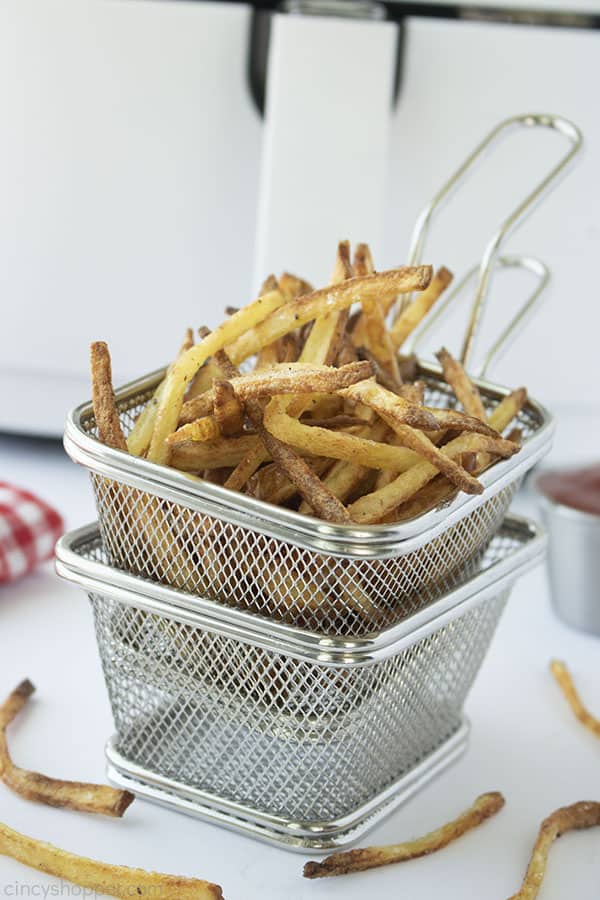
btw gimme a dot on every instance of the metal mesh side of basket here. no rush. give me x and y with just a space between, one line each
288 737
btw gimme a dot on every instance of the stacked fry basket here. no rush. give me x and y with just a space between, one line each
283 676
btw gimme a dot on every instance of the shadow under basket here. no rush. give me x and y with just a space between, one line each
286 733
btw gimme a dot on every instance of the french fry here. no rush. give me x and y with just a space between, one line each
100 877
508 409
229 411
326 300
272 485
103 398
408 320
466 392
565 682
360 860
139 438
250 462
186 367
284 378
195 456
385 402
371 327
344 477
205 429
382 376
585 814
92 798
373 507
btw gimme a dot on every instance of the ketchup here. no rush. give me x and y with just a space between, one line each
577 488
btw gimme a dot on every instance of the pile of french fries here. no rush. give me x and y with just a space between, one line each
330 420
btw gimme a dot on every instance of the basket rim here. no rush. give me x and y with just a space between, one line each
308 532
133 590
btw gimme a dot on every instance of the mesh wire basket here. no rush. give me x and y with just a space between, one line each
342 580
295 737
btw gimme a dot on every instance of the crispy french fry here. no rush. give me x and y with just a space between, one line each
371 328
465 391
195 456
508 408
408 320
92 798
359 860
284 378
100 877
385 402
139 438
250 462
323 343
292 286
103 398
186 367
205 429
229 411
272 485
344 477
326 300
585 814
567 686
373 507
384 378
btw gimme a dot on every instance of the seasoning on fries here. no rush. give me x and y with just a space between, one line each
93 798
359 860
567 686
326 422
99 877
585 814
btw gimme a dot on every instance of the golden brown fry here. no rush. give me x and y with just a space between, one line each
384 378
335 421
408 320
292 286
374 507
103 398
247 466
454 419
585 814
359 860
185 368
229 411
285 378
501 417
385 402
323 343
93 798
414 393
273 486
205 429
371 328
326 300
567 686
465 391
99 877
194 456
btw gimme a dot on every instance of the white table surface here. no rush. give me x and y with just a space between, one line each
524 742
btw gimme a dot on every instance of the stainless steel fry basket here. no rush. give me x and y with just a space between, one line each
344 580
289 735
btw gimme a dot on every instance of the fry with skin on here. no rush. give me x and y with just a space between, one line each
185 368
103 398
385 402
229 411
371 327
139 438
284 378
410 317
92 798
465 391
585 814
194 456
306 481
205 429
359 860
563 678
373 507
116 881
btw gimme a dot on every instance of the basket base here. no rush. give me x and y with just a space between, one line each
295 836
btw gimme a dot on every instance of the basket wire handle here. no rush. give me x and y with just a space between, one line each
526 263
555 123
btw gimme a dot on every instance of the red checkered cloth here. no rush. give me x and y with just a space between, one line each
29 529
